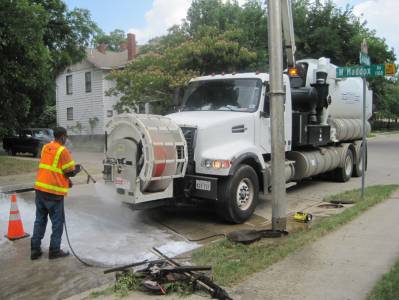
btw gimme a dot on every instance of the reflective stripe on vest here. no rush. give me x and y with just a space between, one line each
53 167
51 187
68 165
57 156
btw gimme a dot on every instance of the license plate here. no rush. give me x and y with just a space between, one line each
122 183
203 185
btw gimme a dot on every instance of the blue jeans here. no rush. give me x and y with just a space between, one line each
53 206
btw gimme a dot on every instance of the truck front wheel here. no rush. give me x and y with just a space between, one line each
239 195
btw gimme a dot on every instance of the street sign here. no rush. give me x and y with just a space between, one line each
364 59
361 71
390 69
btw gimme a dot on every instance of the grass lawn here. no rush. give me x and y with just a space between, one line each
388 286
13 166
232 263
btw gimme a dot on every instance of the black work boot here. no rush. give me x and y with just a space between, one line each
57 254
35 253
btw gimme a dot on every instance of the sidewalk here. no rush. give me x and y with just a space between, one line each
342 265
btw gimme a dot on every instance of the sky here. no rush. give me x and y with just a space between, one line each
151 18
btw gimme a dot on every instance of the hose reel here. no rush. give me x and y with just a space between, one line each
145 153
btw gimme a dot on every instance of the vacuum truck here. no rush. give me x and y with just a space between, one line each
217 146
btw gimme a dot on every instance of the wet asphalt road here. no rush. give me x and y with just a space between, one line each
110 233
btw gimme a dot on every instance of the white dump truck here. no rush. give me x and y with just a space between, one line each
217 146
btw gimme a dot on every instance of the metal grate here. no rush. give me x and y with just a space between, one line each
189 135
180 152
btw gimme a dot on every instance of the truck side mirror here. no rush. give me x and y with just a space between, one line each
178 96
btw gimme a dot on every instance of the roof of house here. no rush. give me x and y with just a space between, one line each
107 60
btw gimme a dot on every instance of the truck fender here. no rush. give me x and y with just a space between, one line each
246 157
252 160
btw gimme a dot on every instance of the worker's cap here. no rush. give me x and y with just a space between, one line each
59 132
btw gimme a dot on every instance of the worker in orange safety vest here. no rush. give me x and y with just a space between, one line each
52 182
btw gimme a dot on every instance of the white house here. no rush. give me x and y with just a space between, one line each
81 103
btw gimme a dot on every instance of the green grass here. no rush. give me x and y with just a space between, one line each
127 281
100 293
385 131
13 166
388 286
232 263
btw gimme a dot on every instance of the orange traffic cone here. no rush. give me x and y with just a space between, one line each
15 226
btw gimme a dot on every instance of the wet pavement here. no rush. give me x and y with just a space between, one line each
107 232
101 232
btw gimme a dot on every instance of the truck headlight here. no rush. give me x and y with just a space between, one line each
216 163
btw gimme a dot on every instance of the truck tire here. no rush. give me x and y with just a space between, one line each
345 173
238 195
357 170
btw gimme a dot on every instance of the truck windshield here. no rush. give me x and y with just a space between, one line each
223 94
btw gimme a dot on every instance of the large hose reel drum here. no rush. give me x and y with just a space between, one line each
146 152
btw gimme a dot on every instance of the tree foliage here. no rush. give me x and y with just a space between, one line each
389 106
37 40
219 36
114 39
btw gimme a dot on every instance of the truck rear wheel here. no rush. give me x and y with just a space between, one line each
238 195
345 173
357 170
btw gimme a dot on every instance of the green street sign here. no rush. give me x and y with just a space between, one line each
361 71
364 59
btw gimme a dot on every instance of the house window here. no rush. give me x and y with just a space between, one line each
110 113
69 113
88 82
69 84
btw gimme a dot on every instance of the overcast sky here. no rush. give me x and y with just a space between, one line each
151 18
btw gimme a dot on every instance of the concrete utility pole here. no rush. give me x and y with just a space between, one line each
364 51
277 94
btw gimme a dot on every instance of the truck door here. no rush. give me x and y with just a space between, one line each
264 136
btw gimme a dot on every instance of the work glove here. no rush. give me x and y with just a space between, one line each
78 168
70 183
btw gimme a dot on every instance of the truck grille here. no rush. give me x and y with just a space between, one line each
189 134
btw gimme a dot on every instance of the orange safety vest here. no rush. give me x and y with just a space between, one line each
54 162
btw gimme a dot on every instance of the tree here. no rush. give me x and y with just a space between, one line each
389 106
24 59
154 76
114 39
219 36
38 40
